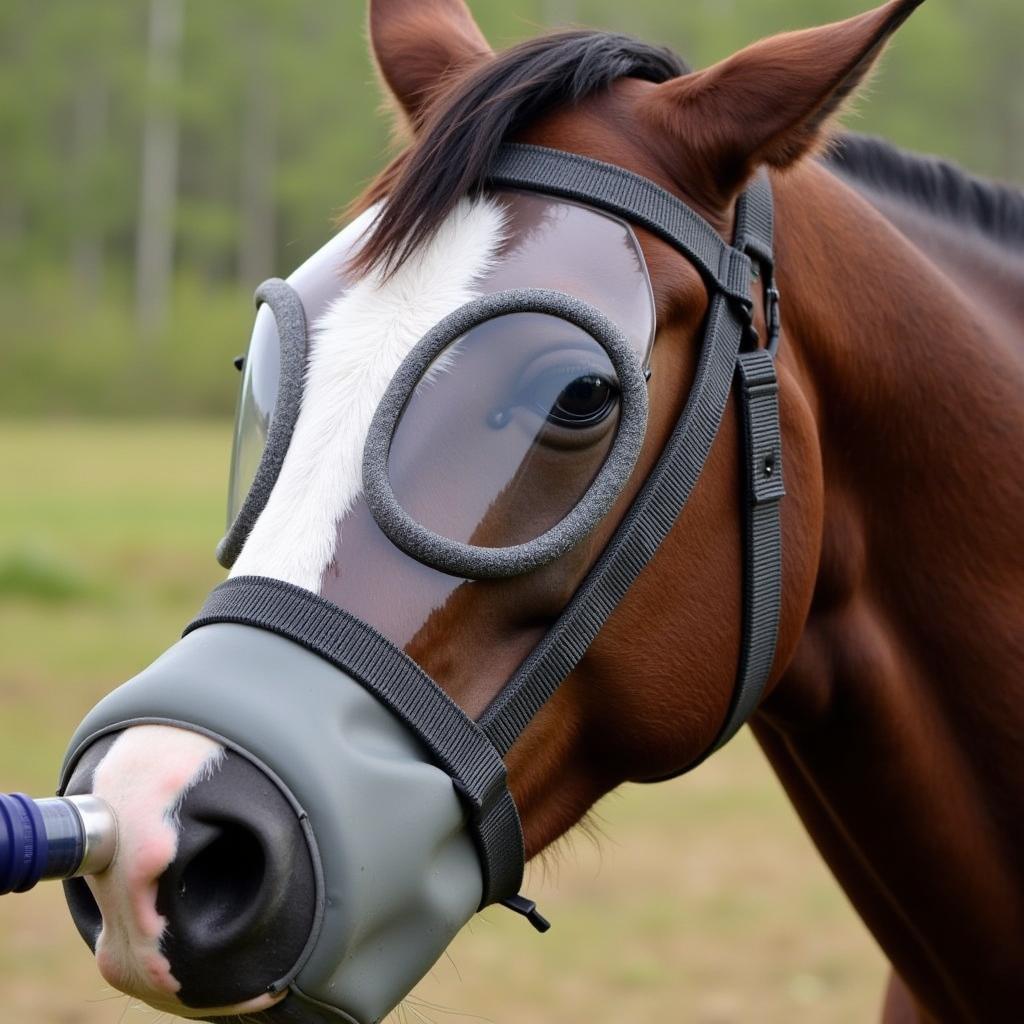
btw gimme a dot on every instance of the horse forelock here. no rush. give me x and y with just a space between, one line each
490 104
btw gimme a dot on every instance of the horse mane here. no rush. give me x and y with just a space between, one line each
450 156
930 183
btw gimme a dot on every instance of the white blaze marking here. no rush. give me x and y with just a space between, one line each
355 349
144 777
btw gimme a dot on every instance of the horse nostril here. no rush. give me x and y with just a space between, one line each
217 889
240 897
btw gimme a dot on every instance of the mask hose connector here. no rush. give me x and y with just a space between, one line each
59 837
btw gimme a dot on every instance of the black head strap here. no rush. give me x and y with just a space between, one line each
627 195
727 271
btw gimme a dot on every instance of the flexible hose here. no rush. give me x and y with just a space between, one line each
59 837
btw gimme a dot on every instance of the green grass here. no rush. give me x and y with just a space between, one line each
106 540
66 352
703 901
36 574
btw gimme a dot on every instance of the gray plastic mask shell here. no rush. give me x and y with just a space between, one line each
400 874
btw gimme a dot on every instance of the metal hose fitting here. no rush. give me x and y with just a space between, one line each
58 837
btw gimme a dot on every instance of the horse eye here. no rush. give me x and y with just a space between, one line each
584 402
571 397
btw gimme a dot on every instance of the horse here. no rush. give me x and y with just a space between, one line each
890 710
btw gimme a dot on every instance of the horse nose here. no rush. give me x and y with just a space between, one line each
239 896
217 888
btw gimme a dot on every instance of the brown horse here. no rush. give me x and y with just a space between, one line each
892 719
890 715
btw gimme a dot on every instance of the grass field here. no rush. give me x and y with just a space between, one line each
702 901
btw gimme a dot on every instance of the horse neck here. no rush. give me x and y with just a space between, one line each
894 727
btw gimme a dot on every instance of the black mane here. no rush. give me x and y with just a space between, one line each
932 184
460 140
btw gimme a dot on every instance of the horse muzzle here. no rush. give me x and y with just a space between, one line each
326 857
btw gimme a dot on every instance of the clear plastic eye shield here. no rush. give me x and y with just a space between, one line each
459 401
559 371
501 443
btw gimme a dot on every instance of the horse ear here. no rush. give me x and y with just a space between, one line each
418 43
772 102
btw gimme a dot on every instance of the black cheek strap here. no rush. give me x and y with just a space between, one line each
728 356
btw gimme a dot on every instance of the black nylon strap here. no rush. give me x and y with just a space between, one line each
754 228
628 195
758 398
758 394
762 586
453 738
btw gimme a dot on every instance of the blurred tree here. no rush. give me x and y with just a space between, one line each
88 140
227 145
159 192
180 148
258 156
997 37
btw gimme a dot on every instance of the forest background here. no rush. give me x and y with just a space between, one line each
161 157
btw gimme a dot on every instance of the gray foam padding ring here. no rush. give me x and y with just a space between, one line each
290 316
467 560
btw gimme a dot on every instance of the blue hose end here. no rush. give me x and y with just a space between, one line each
23 844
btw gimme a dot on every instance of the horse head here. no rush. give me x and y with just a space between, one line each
458 546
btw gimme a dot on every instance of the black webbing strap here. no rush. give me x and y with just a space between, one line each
754 234
758 393
454 739
754 230
628 195
660 501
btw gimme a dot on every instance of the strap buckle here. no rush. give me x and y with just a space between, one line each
772 314
764 270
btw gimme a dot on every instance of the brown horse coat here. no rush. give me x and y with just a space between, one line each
892 719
